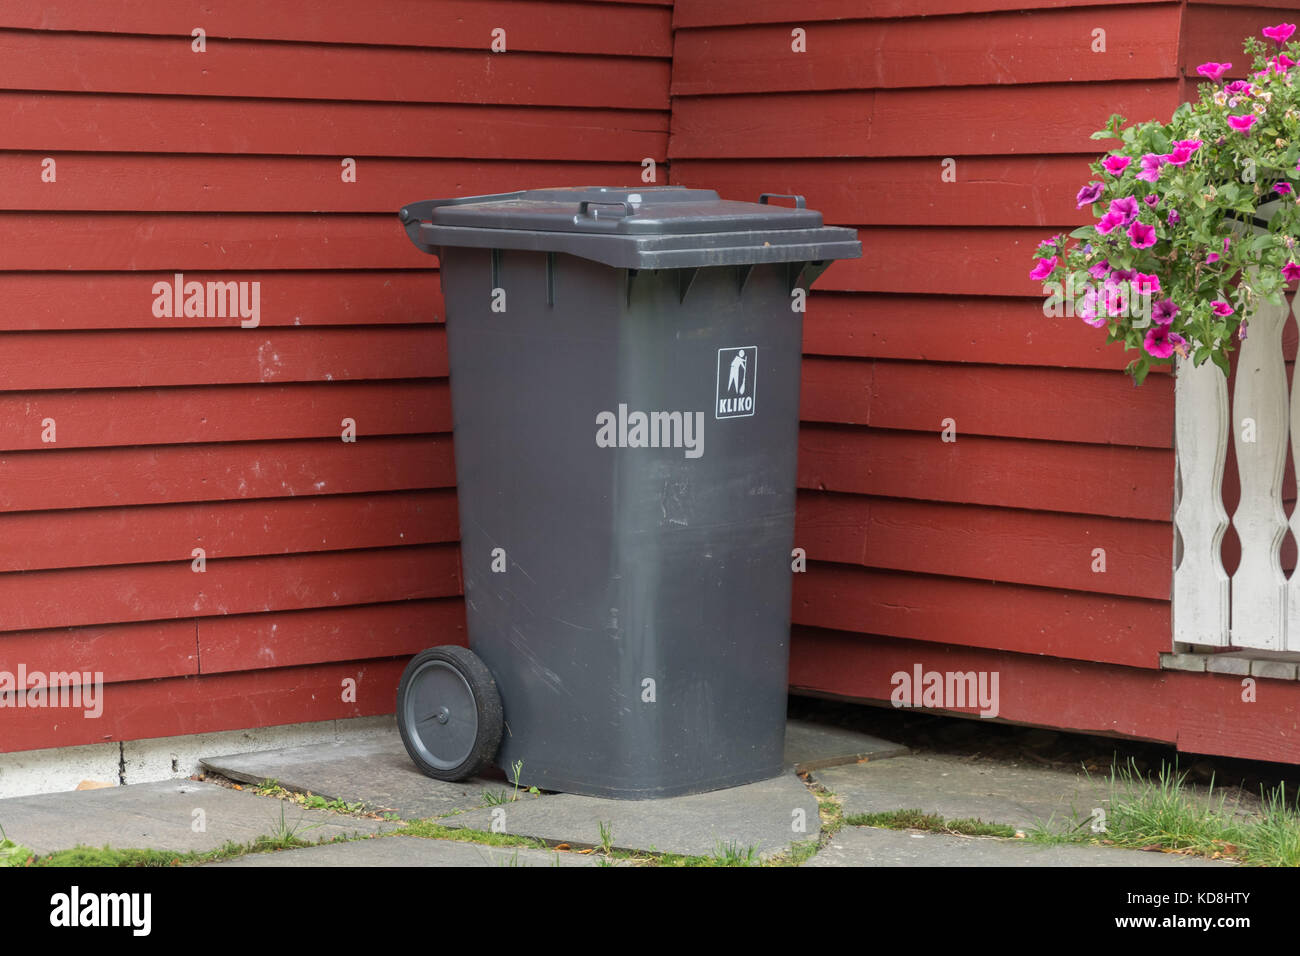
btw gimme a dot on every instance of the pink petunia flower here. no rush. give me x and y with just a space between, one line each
1238 88
1283 189
1100 270
1087 309
1152 200
1173 218
1280 33
1151 164
1109 222
1161 343
1044 268
1146 284
1212 258
1291 272
1141 236
1163 312
1221 308
1242 124
1179 156
1115 165
1126 207
1089 194
1213 71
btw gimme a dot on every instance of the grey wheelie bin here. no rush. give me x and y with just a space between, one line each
625 393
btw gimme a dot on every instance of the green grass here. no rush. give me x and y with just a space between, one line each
919 820
1163 811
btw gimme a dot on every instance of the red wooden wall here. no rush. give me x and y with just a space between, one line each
329 560
975 554
326 560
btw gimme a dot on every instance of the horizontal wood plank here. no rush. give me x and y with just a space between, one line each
105 477
98 63
954 611
151 592
1043 476
180 124
125 300
240 642
635 29
114 359
983 191
177 182
946 121
233 413
991 544
941 328
97 537
1021 46
697 13
258 698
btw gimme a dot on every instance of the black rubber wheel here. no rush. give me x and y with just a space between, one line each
449 713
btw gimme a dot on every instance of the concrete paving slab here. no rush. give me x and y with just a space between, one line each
376 771
763 815
162 816
811 746
962 789
411 851
870 846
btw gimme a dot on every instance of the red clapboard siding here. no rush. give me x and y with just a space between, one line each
986 191
947 261
78 62
91 182
121 652
102 477
953 329
1215 33
179 124
698 13
1077 406
1046 46
227 529
115 359
325 559
126 300
32 599
254 698
158 243
87 419
939 610
1042 476
551 27
246 642
1054 551
1200 713
1046 118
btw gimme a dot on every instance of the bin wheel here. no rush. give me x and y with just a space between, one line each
449 713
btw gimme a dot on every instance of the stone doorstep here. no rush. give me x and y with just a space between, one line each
1275 665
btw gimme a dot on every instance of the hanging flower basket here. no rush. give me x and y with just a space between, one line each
1197 218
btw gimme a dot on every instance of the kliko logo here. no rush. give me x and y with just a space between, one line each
736 373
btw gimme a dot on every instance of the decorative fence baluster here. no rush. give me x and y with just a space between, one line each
1200 610
1260 419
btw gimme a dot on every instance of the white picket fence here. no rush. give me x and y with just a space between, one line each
1257 607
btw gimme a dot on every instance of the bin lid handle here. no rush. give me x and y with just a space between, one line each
798 200
584 207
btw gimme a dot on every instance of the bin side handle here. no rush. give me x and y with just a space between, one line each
798 200
412 214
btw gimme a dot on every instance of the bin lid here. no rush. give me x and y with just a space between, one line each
653 227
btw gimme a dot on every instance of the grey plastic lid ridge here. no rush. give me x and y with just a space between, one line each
637 228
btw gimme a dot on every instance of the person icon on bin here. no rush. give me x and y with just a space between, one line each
736 380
